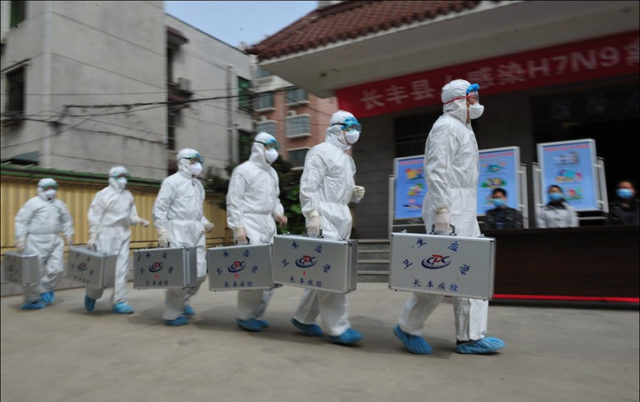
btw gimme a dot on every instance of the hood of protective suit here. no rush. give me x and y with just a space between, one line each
45 183
257 150
114 172
334 131
183 160
457 108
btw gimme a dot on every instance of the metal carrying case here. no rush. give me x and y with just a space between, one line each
242 267
315 263
444 265
22 269
162 268
91 268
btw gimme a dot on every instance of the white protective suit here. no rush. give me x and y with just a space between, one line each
37 225
326 188
110 215
177 211
252 205
451 173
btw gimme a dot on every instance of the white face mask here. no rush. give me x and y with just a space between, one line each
271 155
475 110
50 194
195 168
121 182
352 136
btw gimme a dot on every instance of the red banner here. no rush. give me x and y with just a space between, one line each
579 61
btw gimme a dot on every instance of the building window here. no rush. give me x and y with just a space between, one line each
298 126
245 139
170 56
263 73
15 91
411 133
296 95
265 100
244 94
296 157
18 12
267 126
172 122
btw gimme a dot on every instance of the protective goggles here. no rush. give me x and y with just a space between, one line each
121 175
196 158
350 123
270 144
50 187
471 94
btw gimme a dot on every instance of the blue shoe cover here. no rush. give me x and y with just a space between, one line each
122 308
47 298
481 346
89 303
348 337
35 305
308 329
263 323
188 311
414 344
182 320
250 325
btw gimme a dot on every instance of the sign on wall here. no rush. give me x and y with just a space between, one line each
572 166
607 56
498 168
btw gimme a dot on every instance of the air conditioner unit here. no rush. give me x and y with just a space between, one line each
291 113
184 84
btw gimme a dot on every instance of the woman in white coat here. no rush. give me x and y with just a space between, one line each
557 213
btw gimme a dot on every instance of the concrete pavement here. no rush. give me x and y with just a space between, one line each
63 353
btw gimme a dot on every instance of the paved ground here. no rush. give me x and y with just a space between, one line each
63 353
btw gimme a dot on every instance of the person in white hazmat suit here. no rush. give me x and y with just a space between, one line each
37 225
326 188
111 214
252 206
451 173
177 214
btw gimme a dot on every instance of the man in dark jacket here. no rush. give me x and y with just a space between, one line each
625 210
502 216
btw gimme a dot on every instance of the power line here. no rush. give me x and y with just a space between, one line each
113 93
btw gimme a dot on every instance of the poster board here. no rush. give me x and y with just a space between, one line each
498 168
410 187
572 166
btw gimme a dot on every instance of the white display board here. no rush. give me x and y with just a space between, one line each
572 166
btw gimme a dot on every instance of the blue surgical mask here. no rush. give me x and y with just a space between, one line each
624 193
498 202
555 196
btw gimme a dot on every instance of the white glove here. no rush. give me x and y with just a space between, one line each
143 222
282 220
93 242
163 240
240 236
442 222
20 243
358 193
208 227
69 240
313 226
